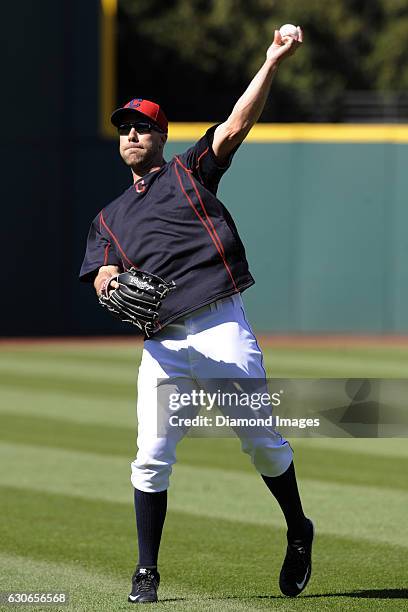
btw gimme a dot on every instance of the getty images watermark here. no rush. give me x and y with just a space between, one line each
294 407
251 403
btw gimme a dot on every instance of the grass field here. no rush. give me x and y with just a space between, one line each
67 434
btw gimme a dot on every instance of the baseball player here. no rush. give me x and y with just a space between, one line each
170 224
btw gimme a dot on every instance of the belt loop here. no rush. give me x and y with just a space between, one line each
219 303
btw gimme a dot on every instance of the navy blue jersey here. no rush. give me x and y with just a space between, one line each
171 223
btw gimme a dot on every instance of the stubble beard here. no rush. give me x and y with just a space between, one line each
141 160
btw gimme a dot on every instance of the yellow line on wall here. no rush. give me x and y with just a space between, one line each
291 132
303 132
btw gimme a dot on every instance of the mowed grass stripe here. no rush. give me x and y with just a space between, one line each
70 370
332 367
337 465
369 363
124 350
347 365
105 382
338 509
105 386
103 356
100 536
316 463
346 510
340 466
382 447
117 412
128 354
374 353
25 574
59 434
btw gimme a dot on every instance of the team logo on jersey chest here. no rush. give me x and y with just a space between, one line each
140 186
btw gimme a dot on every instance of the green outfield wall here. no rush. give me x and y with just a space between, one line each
324 226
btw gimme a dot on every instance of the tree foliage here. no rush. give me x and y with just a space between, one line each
197 56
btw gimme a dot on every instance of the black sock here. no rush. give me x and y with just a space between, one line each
284 488
150 514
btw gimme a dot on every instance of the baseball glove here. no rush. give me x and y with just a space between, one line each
138 298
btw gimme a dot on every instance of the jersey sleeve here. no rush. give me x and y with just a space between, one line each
99 252
201 161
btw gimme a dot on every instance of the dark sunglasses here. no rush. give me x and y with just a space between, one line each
141 127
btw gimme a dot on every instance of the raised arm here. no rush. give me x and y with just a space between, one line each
249 107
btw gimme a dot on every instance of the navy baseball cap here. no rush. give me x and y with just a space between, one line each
143 107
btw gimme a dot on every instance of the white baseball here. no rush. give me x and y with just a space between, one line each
289 30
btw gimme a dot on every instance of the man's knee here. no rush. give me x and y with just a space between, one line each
151 479
152 467
269 459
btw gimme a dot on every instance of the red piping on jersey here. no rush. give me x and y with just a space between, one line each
206 227
217 238
206 214
102 220
105 259
198 163
202 155
181 164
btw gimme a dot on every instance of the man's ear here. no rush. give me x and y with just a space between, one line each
163 138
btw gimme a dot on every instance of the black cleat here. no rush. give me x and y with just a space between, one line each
145 583
297 566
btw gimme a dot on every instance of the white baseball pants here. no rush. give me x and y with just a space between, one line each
213 342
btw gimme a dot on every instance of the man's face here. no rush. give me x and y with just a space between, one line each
141 151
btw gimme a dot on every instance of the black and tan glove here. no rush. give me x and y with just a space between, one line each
138 298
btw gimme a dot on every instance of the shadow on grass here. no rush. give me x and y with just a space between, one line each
363 594
168 599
